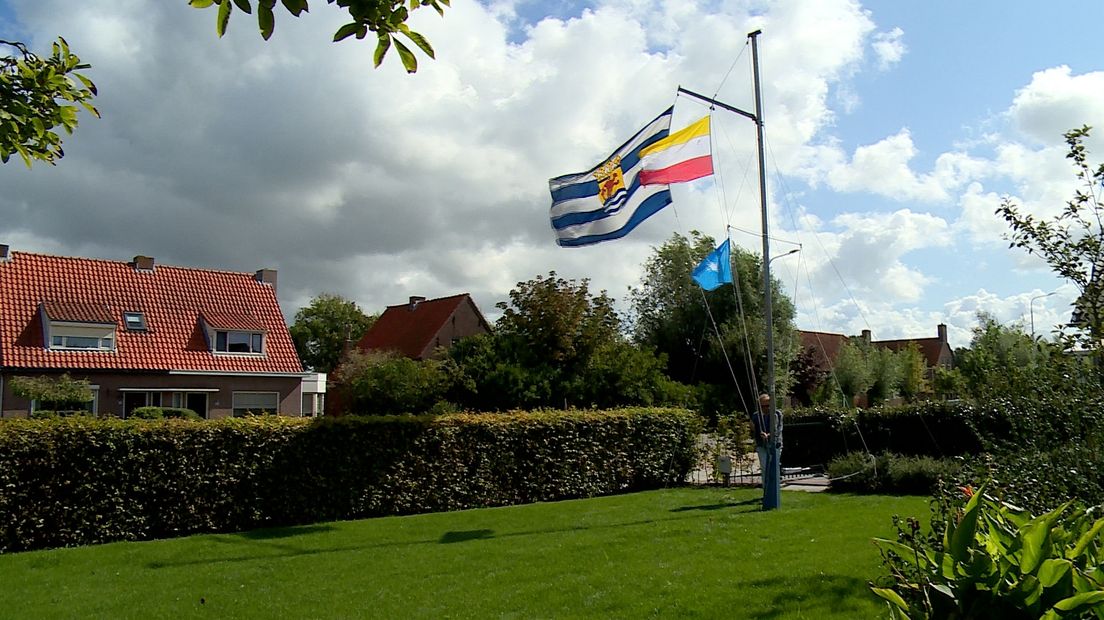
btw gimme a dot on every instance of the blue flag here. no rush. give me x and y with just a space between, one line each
715 269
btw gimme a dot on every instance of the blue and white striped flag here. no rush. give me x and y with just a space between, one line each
608 201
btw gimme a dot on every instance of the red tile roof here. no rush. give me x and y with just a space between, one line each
222 320
76 312
171 299
825 347
410 331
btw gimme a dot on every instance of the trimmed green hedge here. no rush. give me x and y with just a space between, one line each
859 472
78 481
940 428
157 413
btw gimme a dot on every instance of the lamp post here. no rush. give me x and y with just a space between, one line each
794 251
1031 310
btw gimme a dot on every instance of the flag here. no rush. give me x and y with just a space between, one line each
715 269
608 201
682 156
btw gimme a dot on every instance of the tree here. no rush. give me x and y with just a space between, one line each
885 373
556 322
670 315
1072 243
913 380
853 370
53 393
325 328
1004 360
38 96
385 383
384 18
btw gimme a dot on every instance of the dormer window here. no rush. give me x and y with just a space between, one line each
239 342
134 321
77 326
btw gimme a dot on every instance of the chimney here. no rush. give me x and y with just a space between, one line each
941 329
266 276
143 263
414 301
866 336
4 255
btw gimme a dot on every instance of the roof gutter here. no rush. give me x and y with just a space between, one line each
232 373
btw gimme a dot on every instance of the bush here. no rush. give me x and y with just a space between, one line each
46 414
1042 480
859 472
79 481
158 413
983 558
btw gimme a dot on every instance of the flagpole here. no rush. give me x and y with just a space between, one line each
772 496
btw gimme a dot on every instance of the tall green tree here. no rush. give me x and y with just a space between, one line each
885 372
39 96
853 371
914 370
1072 242
674 316
383 18
325 328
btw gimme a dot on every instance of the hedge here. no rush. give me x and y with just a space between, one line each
940 428
859 472
75 481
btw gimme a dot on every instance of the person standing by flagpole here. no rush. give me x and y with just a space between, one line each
761 433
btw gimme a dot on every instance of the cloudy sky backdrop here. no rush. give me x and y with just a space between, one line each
893 131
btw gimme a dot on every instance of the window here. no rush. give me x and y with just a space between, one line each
256 403
86 339
134 321
239 342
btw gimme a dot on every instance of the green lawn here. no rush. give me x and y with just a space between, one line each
675 553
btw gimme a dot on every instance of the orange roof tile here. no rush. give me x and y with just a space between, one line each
171 299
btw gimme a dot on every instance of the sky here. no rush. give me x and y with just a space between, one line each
893 132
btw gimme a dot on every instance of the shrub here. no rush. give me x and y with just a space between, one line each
859 472
157 413
1042 480
47 414
982 558
80 480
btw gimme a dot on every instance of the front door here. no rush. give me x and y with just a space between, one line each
131 401
197 402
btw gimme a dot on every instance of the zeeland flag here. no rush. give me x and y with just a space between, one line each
609 201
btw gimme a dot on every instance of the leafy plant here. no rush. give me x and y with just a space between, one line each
53 393
984 558
37 96
385 18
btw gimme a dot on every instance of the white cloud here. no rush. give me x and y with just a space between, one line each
889 47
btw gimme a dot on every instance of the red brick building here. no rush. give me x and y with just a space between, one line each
146 334
420 328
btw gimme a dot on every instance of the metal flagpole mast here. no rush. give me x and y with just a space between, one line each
772 496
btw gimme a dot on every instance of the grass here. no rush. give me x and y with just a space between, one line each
674 553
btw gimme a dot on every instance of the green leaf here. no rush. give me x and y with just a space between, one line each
1079 601
381 48
418 40
266 20
1086 539
408 59
963 535
892 597
223 17
200 4
243 5
347 31
296 7
1051 571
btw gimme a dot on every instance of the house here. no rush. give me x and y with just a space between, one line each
936 351
824 347
420 328
147 334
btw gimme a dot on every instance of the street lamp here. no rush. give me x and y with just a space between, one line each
1031 309
793 251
